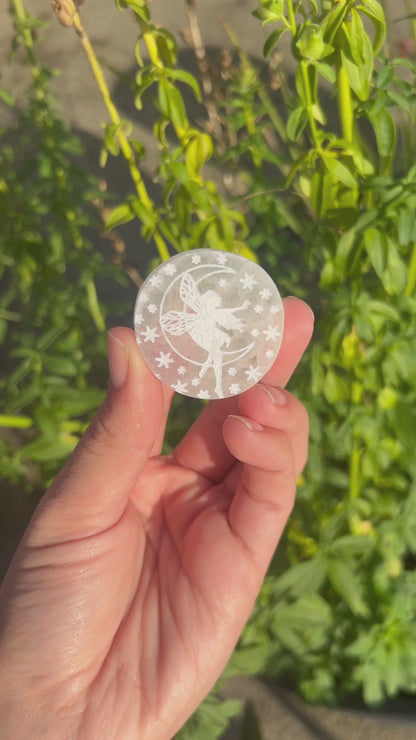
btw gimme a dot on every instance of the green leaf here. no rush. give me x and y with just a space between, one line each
406 226
374 11
15 422
6 97
345 582
386 261
326 71
272 41
296 123
356 35
376 246
339 170
351 544
198 151
335 389
302 578
146 216
138 6
384 130
45 449
119 215
171 105
182 76
403 417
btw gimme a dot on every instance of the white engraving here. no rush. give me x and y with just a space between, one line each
150 335
253 373
203 324
271 333
248 281
164 360
180 387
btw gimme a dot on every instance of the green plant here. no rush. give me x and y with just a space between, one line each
328 207
51 324
333 217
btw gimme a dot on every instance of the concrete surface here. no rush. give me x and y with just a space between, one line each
282 715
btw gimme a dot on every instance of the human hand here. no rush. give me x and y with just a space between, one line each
137 572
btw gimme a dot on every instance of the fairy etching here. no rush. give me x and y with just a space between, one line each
203 324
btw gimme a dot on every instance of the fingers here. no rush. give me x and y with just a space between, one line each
272 446
92 490
202 449
275 408
298 329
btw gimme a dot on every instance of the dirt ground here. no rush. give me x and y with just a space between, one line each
281 714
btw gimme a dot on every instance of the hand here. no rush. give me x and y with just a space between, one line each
137 572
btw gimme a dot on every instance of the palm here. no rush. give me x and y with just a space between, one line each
140 598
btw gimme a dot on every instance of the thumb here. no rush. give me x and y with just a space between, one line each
92 490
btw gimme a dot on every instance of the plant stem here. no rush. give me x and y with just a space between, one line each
411 280
308 98
20 13
344 100
354 477
291 17
123 141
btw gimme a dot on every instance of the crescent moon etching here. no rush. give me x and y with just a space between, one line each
208 323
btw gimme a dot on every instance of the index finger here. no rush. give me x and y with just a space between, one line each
203 449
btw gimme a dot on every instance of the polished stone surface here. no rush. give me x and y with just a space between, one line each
209 323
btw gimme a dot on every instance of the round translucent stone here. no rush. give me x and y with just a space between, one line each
209 324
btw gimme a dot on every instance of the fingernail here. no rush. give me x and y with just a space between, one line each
254 426
118 360
276 396
295 298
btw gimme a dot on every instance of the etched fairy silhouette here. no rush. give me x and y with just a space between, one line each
203 323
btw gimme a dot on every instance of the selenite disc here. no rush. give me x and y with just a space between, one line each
209 324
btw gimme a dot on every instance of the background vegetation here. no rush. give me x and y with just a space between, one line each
318 185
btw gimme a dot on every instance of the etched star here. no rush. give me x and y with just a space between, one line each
138 319
144 297
222 283
221 259
253 373
152 308
265 293
274 309
180 387
203 394
195 382
232 370
196 259
254 333
269 354
234 388
164 360
150 335
169 269
181 370
271 333
248 281
259 308
155 281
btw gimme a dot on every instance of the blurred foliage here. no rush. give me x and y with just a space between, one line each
321 190
53 370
